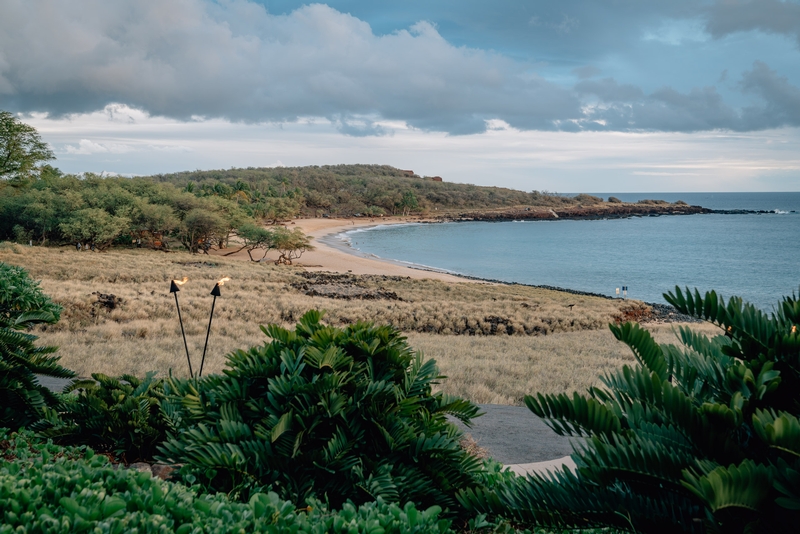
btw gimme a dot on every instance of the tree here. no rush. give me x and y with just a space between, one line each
277 209
200 228
94 225
231 214
254 237
409 202
290 244
21 149
152 221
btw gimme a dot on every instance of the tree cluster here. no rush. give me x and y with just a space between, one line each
99 212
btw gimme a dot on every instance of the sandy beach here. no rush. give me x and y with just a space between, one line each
330 255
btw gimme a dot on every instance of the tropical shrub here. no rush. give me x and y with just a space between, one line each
120 415
699 438
48 488
336 413
23 305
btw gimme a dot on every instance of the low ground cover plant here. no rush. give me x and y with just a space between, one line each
49 488
342 414
699 438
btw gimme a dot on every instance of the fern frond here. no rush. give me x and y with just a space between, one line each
746 485
578 416
647 352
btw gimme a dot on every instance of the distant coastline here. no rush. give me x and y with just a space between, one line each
599 211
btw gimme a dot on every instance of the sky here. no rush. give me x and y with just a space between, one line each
568 96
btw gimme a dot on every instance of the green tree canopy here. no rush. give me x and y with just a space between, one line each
21 149
254 237
200 228
94 225
290 244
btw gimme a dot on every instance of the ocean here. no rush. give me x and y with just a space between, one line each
755 256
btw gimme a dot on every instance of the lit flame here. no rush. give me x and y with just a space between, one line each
181 282
221 281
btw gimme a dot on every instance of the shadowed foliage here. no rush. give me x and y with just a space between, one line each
23 305
704 437
121 415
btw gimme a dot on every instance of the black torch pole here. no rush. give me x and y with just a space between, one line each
173 288
216 294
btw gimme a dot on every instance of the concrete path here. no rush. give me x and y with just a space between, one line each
53 384
517 438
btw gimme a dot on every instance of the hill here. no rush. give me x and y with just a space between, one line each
345 190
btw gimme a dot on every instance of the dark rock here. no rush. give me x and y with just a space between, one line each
162 471
142 467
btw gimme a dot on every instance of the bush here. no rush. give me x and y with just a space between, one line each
47 488
119 415
339 414
583 198
703 438
614 200
23 305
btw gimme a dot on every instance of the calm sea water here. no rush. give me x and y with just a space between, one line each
755 256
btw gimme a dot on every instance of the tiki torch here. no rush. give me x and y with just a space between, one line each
173 288
216 294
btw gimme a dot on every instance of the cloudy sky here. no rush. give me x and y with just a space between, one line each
568 96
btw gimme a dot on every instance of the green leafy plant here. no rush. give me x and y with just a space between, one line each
23 305
49 488
337 413
120 415
699 438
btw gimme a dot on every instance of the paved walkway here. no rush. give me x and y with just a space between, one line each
514 436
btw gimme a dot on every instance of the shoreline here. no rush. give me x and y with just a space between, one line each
325 235
327 256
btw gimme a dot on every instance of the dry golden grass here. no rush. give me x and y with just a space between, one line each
143 332
503 369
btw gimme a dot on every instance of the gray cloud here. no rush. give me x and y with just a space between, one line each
770 16
608 90
625 107
586 71
781 99
190 59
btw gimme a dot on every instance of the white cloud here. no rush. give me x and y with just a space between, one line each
678 32
87 146
502 156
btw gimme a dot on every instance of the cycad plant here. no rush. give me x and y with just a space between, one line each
699 438
120 415
341 414
23 305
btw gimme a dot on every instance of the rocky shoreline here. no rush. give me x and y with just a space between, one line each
657 312
591 212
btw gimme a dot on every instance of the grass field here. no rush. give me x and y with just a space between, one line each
558 341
